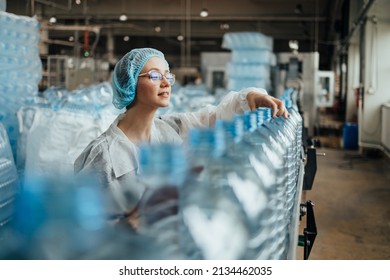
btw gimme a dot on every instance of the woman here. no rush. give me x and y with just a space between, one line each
142 83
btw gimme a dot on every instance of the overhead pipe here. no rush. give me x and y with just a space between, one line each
359 20
62 27
263 18
58 42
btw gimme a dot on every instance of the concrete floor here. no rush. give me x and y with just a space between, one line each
351 193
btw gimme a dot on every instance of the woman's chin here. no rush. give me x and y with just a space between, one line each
164 104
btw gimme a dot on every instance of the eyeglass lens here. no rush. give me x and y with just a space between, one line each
154 75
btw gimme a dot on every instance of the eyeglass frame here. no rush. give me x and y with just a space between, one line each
162 75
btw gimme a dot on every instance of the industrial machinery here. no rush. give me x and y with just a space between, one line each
315 87
71 72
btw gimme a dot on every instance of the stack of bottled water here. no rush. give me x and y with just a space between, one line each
9 185
58 125
251 61
21 68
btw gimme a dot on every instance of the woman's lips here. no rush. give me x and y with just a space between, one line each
164 94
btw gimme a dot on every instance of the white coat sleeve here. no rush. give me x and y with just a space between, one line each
232 103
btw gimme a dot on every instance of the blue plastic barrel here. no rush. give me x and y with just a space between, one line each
350 136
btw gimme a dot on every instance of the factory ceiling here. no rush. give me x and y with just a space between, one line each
317 25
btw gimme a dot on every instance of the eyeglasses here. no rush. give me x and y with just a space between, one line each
157 76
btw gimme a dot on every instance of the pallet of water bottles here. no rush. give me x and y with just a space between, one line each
21 68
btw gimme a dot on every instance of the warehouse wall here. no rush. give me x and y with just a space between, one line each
377 72
376 82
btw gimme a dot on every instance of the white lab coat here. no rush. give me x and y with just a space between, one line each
115 158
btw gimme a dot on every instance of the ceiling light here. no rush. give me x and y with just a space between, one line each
157 29
123 17
204 13
126 38
78 2
180 37
293 44
71 38
53 19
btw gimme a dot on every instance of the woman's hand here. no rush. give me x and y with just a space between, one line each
256 100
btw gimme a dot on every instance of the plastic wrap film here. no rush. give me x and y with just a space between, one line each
56 127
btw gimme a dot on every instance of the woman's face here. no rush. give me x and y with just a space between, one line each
153 93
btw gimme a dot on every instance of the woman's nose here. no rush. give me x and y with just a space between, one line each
164 81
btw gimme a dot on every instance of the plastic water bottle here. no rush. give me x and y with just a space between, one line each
250 165
290 129
295 116
163 170
58 218
286 129
272 153
65 218
212 224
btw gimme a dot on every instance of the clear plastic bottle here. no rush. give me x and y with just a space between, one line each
212 223
163 170
286 129
271 149
57 218
250 165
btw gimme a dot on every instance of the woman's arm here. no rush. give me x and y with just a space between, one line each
248 99
231 104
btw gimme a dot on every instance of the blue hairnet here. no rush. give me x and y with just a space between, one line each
126 71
